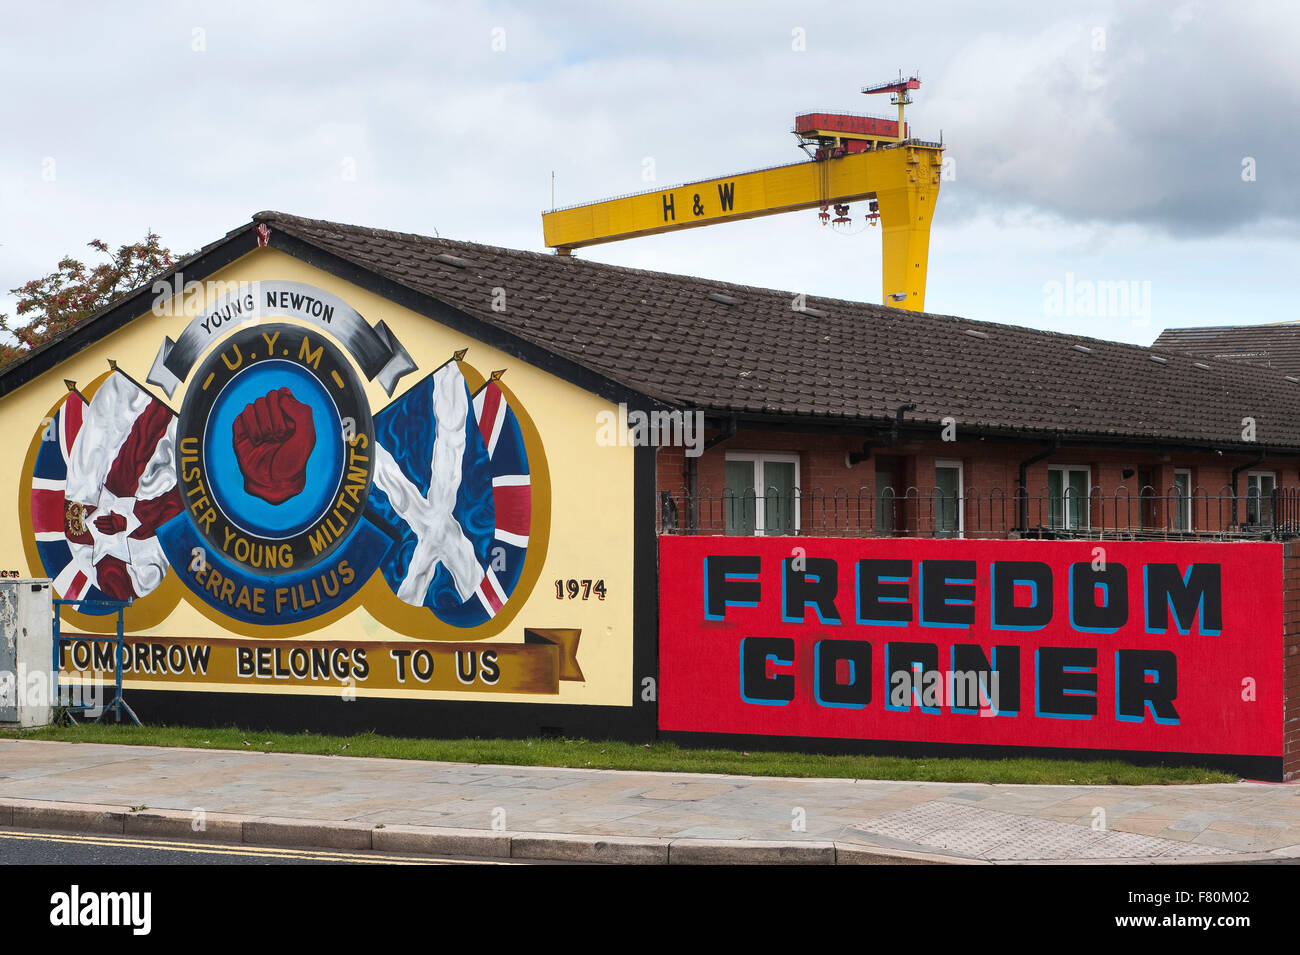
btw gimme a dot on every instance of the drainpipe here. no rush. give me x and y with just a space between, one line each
693 472
852 458
1024 480
1235 473
898 420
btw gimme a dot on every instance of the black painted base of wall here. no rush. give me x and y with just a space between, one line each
1264 768
440 719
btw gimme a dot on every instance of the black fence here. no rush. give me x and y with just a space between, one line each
1181 513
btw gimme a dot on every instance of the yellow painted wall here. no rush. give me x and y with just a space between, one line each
591 493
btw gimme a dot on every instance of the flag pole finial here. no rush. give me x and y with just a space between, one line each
72 385
496 375
459 355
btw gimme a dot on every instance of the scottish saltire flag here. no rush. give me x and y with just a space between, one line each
104 481
432 494
512 495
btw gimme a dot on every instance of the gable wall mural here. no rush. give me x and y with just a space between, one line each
301 487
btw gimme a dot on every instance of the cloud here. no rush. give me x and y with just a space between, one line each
1148 115
409 116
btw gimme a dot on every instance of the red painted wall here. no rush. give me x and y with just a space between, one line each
701 659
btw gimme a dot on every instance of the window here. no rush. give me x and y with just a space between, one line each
1259 496
949 508
1067 491
762 494
1182 502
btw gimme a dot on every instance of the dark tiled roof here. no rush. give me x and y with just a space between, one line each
665 336
1271 346
732 349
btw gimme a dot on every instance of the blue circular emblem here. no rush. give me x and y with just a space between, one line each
323 468
273 455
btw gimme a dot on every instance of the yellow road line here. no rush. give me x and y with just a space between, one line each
241 849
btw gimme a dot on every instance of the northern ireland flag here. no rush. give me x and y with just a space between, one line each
102 489
436 495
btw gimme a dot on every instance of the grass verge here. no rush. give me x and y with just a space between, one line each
659 757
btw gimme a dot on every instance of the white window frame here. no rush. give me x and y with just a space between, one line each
760 500
961 489
1251 480
1065 486
1185 504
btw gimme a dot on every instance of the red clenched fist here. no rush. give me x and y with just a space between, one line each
274 437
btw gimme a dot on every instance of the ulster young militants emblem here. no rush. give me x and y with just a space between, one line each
274 454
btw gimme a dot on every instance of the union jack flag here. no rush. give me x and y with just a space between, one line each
512 495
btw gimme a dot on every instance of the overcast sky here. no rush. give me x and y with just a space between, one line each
1152 143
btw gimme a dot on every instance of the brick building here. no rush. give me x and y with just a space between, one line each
775 415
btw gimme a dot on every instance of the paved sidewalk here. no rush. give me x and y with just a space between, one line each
589 814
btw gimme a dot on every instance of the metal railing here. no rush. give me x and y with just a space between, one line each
1124 513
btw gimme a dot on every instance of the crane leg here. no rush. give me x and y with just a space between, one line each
905 215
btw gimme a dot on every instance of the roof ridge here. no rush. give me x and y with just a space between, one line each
1230 328
561 260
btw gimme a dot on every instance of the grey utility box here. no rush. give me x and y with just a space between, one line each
26 651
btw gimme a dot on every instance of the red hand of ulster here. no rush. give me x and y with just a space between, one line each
273 438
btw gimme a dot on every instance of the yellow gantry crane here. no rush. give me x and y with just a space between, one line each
855 158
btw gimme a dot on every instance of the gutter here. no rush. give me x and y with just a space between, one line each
1081 439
